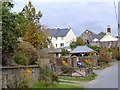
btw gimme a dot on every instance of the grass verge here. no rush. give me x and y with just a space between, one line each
89 78
55 85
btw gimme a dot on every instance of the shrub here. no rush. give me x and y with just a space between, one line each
54 77
104 55
20 58
25 52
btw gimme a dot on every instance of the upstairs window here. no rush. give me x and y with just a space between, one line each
61 44
56 45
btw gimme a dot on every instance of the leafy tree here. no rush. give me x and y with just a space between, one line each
34 36
10 32
33 33
78 42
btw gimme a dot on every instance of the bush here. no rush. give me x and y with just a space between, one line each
25 52
20 58
64 52
95 48
104 55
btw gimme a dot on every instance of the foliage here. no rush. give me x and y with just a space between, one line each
54 77
22 23
78 42
30 14
64 63
20 58
104 55
115 53
10 31
64 52
88 62
94 48
25 54
25 79
33 33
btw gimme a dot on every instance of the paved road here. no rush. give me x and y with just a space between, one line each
107 78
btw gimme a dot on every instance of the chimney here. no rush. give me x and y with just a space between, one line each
108 29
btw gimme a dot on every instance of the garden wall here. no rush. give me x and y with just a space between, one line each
11 75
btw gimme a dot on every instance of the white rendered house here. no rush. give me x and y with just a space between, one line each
61 37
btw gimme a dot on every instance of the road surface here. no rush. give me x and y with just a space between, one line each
107 78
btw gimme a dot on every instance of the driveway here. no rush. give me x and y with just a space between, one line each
107 78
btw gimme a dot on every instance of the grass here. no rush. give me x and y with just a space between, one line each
55 85
89 78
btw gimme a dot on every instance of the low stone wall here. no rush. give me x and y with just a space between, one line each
93 59
12 75
72 61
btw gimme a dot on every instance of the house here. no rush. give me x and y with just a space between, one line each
61 37
95 39
104 39
86 35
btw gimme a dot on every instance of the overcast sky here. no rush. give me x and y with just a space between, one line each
80 15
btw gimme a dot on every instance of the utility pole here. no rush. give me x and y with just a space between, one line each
119 25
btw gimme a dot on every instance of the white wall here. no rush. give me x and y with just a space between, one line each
57 41
70 37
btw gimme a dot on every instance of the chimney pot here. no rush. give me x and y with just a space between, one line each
108 29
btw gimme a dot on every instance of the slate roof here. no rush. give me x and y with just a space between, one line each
82 49
59 32
99 36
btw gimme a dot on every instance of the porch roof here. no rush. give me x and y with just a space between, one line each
82 49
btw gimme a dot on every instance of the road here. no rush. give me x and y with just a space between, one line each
107 78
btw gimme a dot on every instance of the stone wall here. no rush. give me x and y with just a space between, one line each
12 75
72 61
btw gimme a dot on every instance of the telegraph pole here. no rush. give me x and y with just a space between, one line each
119 25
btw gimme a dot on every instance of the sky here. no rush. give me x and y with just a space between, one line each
94 15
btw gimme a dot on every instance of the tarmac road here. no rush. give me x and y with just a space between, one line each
107 78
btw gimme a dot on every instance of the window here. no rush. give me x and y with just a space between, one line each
61 44
56 45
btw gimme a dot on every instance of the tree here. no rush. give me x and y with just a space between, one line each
10 32
78 42
33 33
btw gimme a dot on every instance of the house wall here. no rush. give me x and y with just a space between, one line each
58 41
70 37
